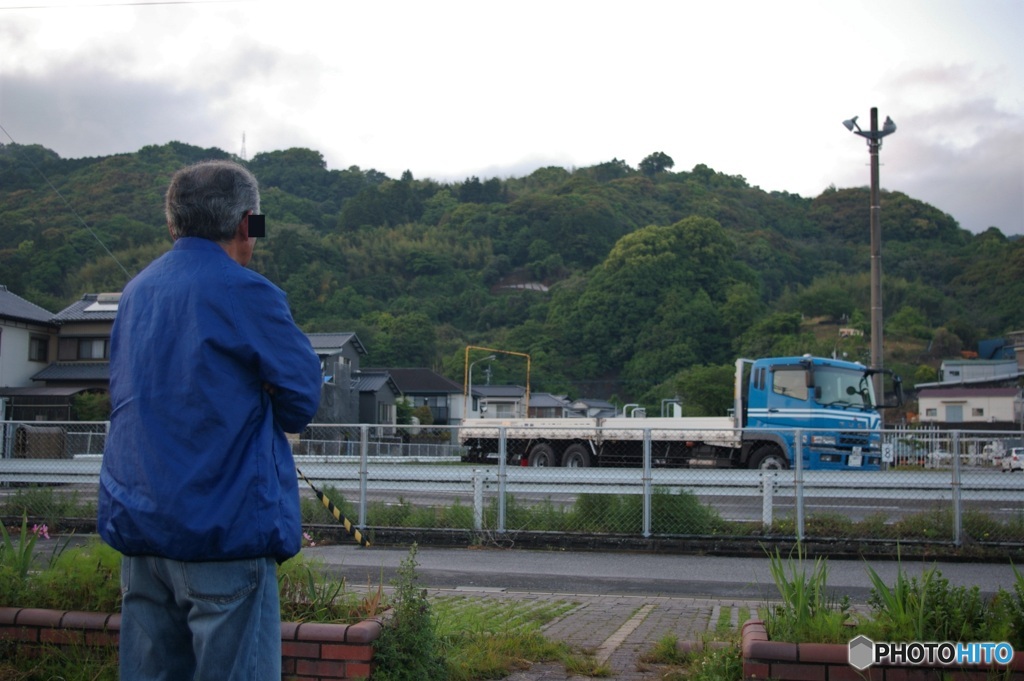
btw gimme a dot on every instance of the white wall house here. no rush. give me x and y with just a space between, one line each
28 340
969 405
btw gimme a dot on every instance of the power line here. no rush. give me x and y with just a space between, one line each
70 207
76 5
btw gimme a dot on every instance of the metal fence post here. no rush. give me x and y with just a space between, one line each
478 499
956 489
647 484
767 491
502 479
798 457
8 440
364 459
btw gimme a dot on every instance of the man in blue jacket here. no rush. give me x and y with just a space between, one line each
198 488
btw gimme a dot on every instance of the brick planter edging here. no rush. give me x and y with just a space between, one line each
782 661
309 650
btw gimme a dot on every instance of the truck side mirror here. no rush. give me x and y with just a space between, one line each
817 393
897 386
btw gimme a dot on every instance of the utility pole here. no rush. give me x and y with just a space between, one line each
874 138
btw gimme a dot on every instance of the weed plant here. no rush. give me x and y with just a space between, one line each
716 664
56 663
408 648
713 662
84 577
807 611
925 608
929 609
307 597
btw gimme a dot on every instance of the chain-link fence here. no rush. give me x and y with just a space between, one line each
944 487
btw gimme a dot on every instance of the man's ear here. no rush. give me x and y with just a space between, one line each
242 231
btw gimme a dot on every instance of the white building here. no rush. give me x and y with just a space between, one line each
969 405
28 339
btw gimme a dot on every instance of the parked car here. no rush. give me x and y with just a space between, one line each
1014 460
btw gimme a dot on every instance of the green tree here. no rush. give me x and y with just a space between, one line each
705 390
655 163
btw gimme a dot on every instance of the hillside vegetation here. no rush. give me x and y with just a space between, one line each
627 283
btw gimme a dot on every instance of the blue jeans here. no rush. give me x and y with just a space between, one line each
208 621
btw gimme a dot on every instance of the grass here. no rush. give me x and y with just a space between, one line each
58 664
673 513
490 637
718 659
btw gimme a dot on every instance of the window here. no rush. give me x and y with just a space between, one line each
977 412
790 383
38 349
92 348
438 405
931 411
71 349
504 410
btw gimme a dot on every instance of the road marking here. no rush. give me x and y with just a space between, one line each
616 639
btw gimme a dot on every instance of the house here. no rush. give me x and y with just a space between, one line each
339 354
593 408
83 343
427 388
82 361
548 406
501 401
967 407
377 396
28 341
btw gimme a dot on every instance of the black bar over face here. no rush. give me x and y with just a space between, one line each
257 225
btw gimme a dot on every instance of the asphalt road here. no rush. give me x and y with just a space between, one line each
587 572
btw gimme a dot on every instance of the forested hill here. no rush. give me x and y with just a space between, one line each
617 281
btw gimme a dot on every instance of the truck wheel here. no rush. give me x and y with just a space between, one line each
770 459
542 456
576 456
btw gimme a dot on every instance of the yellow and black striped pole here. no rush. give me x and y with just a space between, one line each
336 512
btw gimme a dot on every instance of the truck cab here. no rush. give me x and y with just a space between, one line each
831 402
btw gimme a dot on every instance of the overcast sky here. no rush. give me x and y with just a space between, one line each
493 88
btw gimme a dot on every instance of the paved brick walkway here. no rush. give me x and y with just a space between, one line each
618 630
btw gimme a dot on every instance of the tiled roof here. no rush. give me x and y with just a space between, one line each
93 307
75 371
372 381
419 381
547 400
15 307
330 343
493 391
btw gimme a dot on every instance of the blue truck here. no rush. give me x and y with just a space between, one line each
830 402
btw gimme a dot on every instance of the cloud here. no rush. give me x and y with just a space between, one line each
81 111
960 147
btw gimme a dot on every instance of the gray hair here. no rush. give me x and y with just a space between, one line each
209 199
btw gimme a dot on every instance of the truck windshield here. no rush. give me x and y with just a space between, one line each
843 388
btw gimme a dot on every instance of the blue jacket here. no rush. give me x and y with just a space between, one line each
197 466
